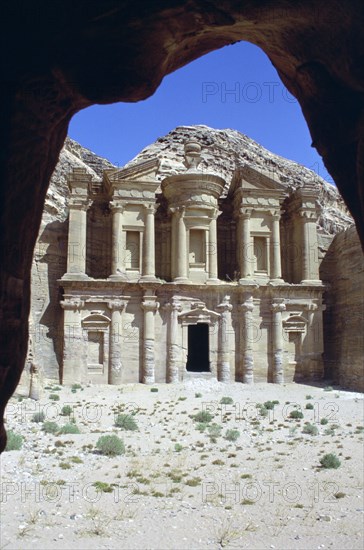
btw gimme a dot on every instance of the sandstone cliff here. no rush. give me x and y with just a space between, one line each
343 271
223 150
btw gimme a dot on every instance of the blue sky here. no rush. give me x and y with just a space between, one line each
234 87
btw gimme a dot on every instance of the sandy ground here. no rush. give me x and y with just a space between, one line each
175 488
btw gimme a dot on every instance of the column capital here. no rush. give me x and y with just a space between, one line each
310 307
150 208
173 305
278 306
225 305
245 212
78 203
72 304
117 206
150 303
275 214
308 215
248 305
117 305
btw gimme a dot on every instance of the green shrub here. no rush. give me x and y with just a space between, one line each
310 429
203 416
309 397
66 410
226 401
198 394
232 435
309 406
153 390
76 387
50 427
214 431
38 417
328 388
269 405
330 460
102 486
14 441
54 397
296 414
69 429
201 426
178 447
110 445
324 421
262 410
126 422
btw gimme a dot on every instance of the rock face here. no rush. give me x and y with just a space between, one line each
49 74
222 152
343 271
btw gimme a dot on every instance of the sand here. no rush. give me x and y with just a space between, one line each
176 487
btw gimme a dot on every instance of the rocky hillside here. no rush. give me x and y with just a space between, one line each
223 150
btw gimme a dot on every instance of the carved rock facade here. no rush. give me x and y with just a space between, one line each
196 276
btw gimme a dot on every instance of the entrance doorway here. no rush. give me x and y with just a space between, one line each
198 348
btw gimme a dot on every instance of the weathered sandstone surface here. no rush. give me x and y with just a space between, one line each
343 271
223 151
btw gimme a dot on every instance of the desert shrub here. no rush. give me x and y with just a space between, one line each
296 414
38 417
198 394
50 427
309 397
126 422
309 406
153 390
269 405
226 401
54 397
232 435
178 447
201 426
66 410
328 388
330 460
262 410
310 429
110 445
69 429
203 416
324 421
14 441
102 486
214 431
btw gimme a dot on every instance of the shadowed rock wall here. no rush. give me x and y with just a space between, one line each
343 271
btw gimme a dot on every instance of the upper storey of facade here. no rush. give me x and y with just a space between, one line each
191 228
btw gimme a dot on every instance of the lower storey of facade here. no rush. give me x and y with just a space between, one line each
117 333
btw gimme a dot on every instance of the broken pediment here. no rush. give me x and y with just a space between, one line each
199 314
249 178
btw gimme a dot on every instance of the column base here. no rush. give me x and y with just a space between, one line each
277 281
148 279
118 277
181 280
247 282
75 277
213 281
316 282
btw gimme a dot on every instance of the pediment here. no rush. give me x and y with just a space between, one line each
143 172
249 178
199 315
295 323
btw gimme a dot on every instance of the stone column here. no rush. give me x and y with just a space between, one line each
244 243
115 363
173 348
180 251
276 269
277 341
118 241
77 231
149 307
223 366
148 270
212 250
72 343
310 264
246 341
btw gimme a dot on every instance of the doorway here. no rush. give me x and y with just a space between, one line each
198 348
